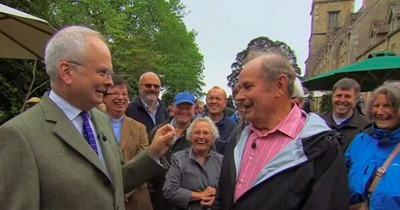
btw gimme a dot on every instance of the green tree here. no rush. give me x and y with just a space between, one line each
143 35
260 44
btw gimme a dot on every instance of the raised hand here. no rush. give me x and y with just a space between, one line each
163 138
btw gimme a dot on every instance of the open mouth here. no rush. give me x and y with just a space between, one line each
119 104
200 142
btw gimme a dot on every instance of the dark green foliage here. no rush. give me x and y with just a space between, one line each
260 44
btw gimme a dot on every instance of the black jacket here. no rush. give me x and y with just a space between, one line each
156 184
355 125
313 175
137 110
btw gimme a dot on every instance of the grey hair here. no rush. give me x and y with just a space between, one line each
392 92
218 88
275 62
347 84
207 120
67 44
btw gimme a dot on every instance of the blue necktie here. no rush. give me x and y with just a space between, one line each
88 132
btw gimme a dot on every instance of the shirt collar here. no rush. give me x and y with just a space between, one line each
68 109
285 126
147 107
193 156
115 120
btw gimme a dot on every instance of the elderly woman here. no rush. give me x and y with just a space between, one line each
193 176
371 148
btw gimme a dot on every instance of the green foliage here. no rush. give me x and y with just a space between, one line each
15 78
260 44
326 103
143 35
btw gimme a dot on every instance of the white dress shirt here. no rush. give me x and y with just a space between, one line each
73 114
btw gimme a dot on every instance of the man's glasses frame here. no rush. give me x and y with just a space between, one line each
115 95
102 72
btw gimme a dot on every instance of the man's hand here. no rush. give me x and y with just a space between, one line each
163 138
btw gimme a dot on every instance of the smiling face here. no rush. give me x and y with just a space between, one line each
201 137
149 87
183 113
383 113
343 102
255 97
88 82
216 101
116 100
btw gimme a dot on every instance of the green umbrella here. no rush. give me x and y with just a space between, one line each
370 73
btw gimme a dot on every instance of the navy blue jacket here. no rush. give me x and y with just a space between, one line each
225 127
137 110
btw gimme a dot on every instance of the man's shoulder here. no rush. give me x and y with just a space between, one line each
325 114
363 121
27 123
134 122
135 103
181 153
33 114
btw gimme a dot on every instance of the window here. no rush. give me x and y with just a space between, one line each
333 20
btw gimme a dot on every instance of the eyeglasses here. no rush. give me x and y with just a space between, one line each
117 94
205 133
102 72
215 98
151 85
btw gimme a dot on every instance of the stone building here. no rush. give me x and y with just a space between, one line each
340 37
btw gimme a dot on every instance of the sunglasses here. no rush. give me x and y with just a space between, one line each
151 85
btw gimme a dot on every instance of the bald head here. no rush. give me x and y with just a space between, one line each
148 74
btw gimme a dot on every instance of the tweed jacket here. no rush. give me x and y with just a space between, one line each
45 163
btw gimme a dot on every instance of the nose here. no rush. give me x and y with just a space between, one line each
379 110
109 81
239 97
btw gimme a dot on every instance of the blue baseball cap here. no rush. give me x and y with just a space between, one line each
184 97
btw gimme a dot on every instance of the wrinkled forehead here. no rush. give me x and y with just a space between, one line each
150 79
216 92
201 125
341 90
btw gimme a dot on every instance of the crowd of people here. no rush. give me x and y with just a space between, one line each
85 145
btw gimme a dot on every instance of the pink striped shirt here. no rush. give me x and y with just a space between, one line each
268 146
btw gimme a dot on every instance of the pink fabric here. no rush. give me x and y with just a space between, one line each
268 146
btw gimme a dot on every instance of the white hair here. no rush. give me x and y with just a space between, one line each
207 120
298 91
68 44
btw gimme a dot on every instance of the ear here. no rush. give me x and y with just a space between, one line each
282 85
64 72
